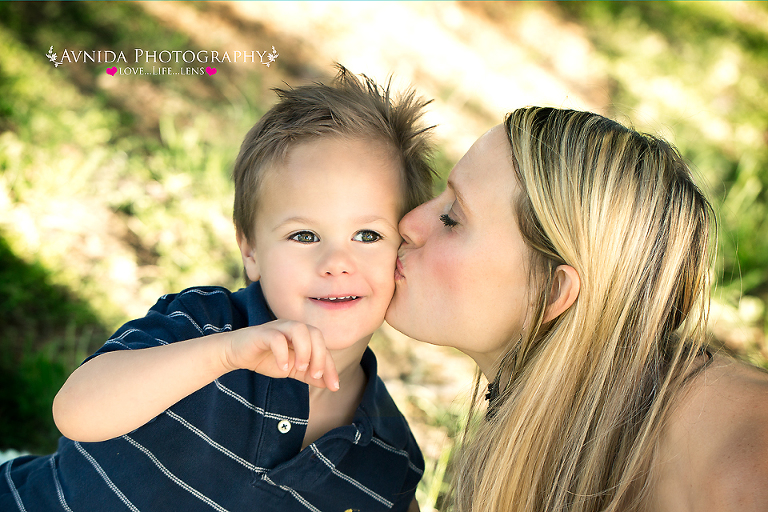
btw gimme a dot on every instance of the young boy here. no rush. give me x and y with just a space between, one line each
189 409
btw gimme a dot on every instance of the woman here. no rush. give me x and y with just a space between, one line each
569 257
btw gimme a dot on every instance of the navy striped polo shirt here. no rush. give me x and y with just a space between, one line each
233 445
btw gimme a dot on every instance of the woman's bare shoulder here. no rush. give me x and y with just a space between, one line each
713 454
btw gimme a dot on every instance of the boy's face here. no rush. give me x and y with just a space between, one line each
326 237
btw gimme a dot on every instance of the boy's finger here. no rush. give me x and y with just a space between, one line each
317 362
278 344
306 377
302 346
330 376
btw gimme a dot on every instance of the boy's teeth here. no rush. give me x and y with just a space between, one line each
348 297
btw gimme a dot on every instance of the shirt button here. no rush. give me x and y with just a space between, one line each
284 426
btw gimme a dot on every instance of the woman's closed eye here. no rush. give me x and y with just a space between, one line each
367 236
304 237
448 221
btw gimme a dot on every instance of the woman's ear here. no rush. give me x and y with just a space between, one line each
250 261
565 289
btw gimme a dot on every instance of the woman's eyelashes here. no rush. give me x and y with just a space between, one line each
366 236
448 221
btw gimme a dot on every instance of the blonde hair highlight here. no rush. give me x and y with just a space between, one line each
583 398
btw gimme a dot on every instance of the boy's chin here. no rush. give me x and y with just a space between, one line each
340 343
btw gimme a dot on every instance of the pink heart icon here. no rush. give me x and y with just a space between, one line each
111 71
210 71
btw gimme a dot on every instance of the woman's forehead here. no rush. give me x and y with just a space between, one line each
485 170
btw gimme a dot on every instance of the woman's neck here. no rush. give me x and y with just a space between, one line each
488 362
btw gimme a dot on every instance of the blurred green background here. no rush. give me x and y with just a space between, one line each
115 189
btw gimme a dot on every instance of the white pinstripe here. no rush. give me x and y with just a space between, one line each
349 479
117 340
201 330
201 292
227 327
266 414
194 324
15 491
295 494
178 481
202 435
399 452
103 475
126 333
59 490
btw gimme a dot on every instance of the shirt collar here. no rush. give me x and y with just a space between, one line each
255 305
377 411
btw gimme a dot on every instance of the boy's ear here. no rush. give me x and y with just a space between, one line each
250 261
565 289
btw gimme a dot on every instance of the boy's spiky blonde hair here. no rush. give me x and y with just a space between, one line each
348 107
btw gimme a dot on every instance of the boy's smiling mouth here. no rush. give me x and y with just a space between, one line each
337 302
344 298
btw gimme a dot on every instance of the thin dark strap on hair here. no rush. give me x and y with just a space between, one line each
493 391
492 395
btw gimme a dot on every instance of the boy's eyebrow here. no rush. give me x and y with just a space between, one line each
373 218
289 220
369 219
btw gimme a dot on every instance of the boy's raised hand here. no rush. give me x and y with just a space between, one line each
283 348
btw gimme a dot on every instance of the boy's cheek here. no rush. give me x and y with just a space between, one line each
391 251
384 265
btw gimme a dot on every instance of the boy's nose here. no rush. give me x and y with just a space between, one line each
336 262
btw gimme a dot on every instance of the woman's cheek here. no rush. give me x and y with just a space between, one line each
446 286
446 270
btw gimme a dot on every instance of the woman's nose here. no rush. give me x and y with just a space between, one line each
413 226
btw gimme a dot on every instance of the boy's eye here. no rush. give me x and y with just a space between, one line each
304 237
366 236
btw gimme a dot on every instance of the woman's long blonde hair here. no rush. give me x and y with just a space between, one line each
582 399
